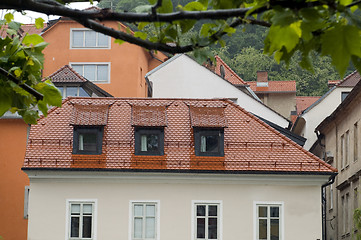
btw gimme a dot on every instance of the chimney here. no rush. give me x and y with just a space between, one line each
262 79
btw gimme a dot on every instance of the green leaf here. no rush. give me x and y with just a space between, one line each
32 39
119 41
141 25
167 7
5 100
341 42
39 23
9 17
194 6
141 35
186 25
283 18
14 25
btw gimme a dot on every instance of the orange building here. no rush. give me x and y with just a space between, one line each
118 69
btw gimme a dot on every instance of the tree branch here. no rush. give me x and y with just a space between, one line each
24 86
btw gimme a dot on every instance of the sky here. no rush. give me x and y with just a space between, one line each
31 16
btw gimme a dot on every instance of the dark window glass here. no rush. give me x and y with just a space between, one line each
212 228
87 140
201 230
209 142
275 229
344 95
87 227
201 210
262 234
74 232
212 210
275 212
149 141
262 211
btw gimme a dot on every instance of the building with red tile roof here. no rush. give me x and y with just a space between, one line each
109 158
278 95
303 102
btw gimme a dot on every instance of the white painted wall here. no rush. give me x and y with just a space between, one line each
319 112
113 192
182 77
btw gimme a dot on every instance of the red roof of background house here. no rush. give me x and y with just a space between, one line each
229 74
303 102
66 74
274 86
25 28
350 80
250 145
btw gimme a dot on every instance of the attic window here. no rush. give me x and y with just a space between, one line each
87 140
221 70
149 141
209 142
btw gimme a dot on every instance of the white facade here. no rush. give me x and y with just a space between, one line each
312 117
174 196
182 77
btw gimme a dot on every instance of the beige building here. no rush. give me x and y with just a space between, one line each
197 169
339 145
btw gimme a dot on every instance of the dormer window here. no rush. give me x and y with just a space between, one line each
149 141
209 142
87 140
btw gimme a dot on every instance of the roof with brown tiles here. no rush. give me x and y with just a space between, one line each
149 116
303 102
350 80
274 86
89 114
229 74
250 145
25 28
66 74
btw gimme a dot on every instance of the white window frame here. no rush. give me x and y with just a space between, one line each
26 202
280 204
68 215
93 63
157 217
87 29
194 216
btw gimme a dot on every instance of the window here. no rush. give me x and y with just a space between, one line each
206 220
342 147
331 196
69 91
268 221
26 202
209 142
355 142
81 220
347 147
145 222
85 38
87 140
149 141
94 72
344 95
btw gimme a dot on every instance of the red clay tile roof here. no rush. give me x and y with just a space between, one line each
230 75
25 28
304 102
207 116
351 80
250 145
66 74
89 115
274 86
150 116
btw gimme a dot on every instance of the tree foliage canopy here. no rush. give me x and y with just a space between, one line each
300 27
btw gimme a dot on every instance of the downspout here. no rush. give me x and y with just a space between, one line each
331 180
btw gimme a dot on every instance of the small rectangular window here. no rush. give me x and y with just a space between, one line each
355 142
144 220
94 72
209 142
347 147
207 221
87 140
268 223
149 141
342 148
344 95
86 38
81 220
26 202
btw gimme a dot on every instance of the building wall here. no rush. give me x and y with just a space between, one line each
345 190
114 191
128 63
283 103
13 133
184 78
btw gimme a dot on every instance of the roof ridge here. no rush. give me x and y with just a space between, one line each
345 78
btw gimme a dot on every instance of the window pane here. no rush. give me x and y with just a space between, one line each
82 92
152 142
103 40
262 211
262 229
138 210
77 38
203 144
88 142
212 228
143 143
90 40
78 68
275 233
61 89
138 226
74 227
75 209
212 210
201 231
102 73
87 209
150 227
150 210
275 212
87 227
212 143
201 210
89 72
71 91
